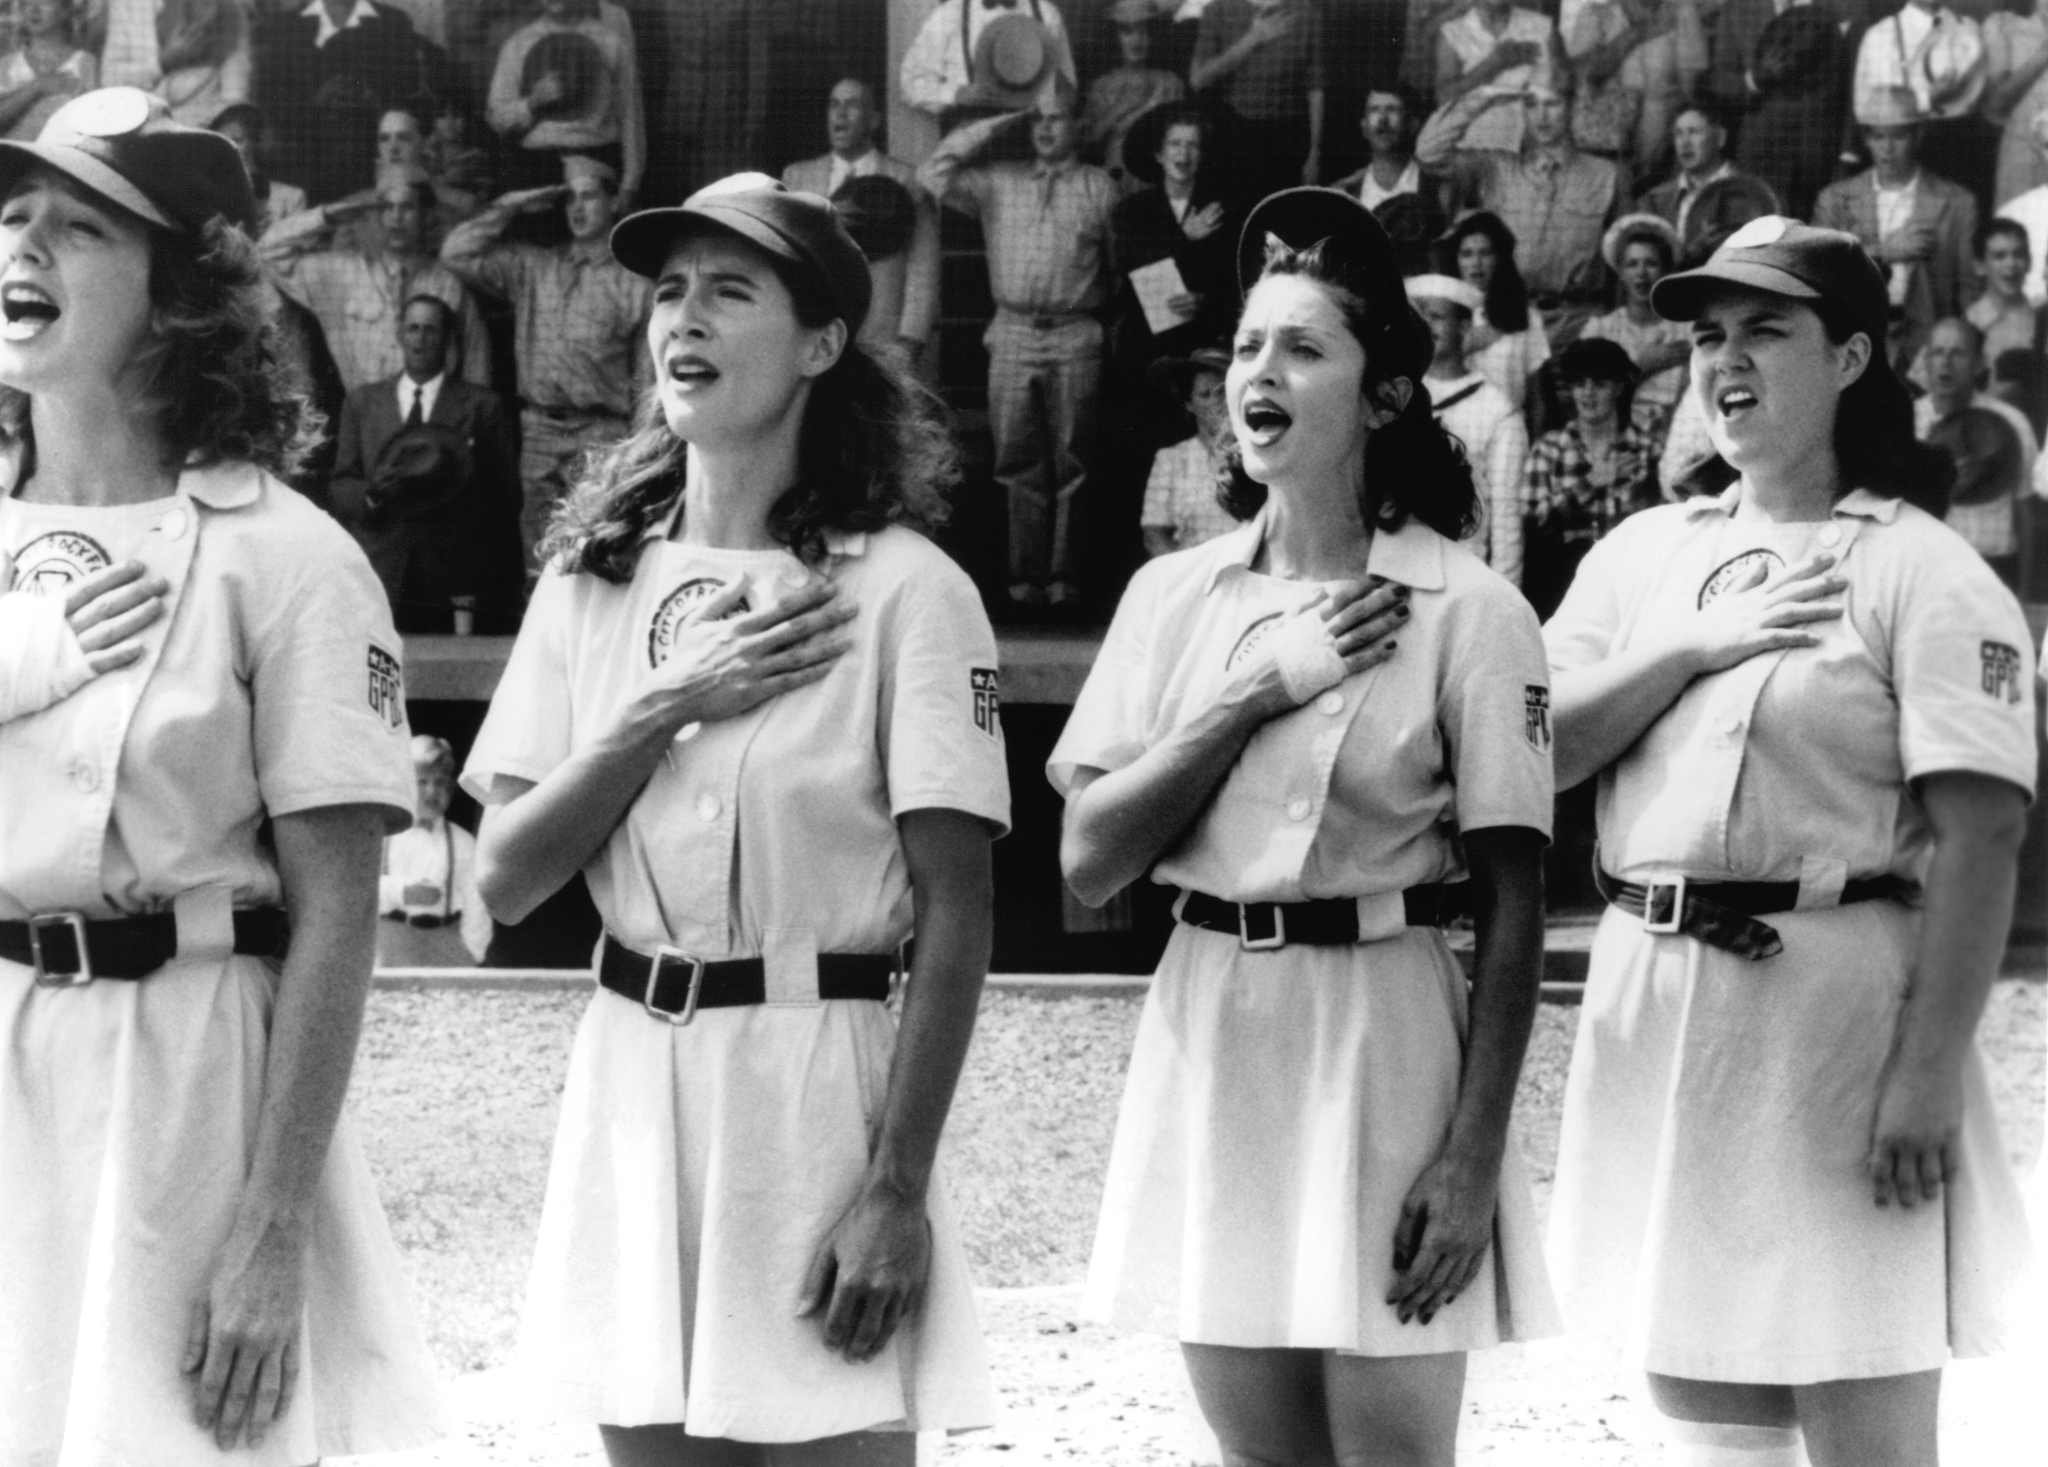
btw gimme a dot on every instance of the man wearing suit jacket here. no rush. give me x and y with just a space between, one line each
1919 227
906 282
426 478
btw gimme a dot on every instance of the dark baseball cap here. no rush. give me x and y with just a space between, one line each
122 144
801 228
1784 257
1370 265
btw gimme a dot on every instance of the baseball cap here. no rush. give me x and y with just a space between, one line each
1301 217
1784 257
801 228
123 145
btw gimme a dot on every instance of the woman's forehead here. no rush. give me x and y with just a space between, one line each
716 252
40 178
1729 303
1292 300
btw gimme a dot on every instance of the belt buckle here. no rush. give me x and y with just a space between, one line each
1655 893
1261 944
899 972
662 957
79 977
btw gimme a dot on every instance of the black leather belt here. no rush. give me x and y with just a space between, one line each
1723 913
673 985
1328 922
68 950
423 919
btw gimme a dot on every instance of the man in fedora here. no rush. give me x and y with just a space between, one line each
983 53
906 275
424 478
1047 227
1919 226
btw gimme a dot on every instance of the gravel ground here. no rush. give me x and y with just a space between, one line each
455 1098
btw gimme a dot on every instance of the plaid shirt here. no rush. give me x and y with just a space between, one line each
1561 492
1046 227
1180 495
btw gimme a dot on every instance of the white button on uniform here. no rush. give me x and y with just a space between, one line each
176 521
85 776
1297 809
1331 702
708 808
1830 536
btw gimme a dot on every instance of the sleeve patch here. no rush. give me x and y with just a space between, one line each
386 687
1536 717
987 701
2000 671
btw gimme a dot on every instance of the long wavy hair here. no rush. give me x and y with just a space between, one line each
1414 468
1507 297
209 370
1875 446
873 451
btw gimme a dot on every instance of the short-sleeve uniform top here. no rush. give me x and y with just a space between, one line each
674 1237
1712 1205
128 1110
1280 1104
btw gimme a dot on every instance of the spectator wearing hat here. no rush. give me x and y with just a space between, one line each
906 273
1388 124
322 75
1799 94
425 478
1992 443
357 294
1937 56
1556 199
955 48
568 82
1476 413
241 123
1585 478
1123 94
46 68
577 320
1506 342
2003 314
1047 224
1179 214
1919 226
1183 504
1642 249
1265 60
1699 155
1486 48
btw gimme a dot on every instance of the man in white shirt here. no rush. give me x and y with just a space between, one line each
426 893
1389 124
940 61
1939 57
1479 415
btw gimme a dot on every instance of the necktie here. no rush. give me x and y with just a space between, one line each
414 418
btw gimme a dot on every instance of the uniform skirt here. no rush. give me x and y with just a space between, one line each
128 1116
1279 1107
695 1173
1712 1208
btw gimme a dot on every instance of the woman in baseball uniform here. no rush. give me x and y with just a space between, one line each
1809 707
1330 728
202 741
757 710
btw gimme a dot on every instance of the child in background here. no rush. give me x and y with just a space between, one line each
1181 507
433 917
45 70
2002 313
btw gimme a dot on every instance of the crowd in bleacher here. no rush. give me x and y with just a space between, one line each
438 180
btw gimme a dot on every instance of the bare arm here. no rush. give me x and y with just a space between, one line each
532 844
242 1347
1436 146
1452 86
870 1271
1979 822
1446 1221
1118 823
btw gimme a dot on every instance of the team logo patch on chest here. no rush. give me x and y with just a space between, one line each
1730 571
661 632
386 687
50 565
1251 639
988 702
1536 717
2000 677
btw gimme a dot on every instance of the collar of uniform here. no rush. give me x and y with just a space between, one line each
846 543
1857 503
223 486
1412 555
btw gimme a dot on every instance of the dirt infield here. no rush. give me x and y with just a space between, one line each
455 1098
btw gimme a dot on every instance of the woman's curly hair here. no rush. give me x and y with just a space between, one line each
873 451
210 368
